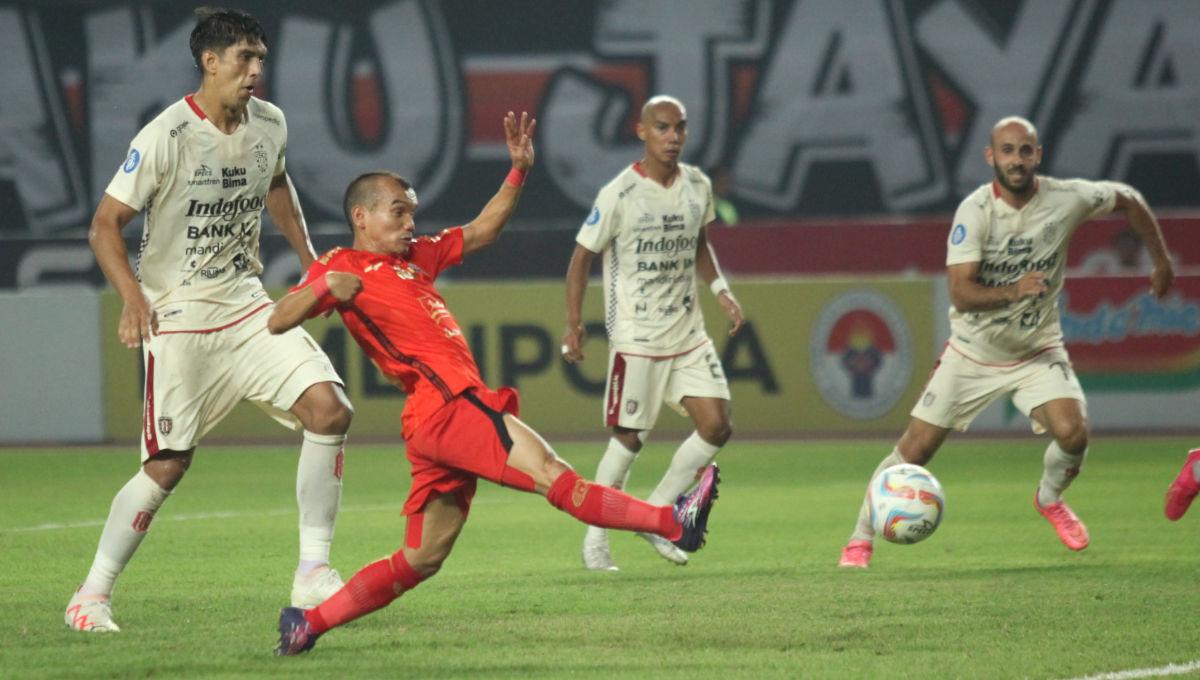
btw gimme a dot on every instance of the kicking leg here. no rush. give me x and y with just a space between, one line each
1064 419
429 538
917 445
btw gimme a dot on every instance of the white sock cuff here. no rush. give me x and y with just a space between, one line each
150 488
695 440
326 439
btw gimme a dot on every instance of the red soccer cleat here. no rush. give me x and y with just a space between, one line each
1070 530
1184 489
857 553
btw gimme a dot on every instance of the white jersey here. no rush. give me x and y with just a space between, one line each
648 234
203 193
1009 243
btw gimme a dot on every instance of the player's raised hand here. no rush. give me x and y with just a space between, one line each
138 322
572 344
733 310
1161 278
519 137
343 286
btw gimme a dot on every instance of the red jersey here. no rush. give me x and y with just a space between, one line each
401 321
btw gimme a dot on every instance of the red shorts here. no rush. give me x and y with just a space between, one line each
462 441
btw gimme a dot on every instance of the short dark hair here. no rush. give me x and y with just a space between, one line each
364 190
217 28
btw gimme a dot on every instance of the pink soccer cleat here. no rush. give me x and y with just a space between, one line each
857 553
1070 530
1184 489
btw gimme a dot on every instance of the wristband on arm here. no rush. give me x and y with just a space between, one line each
516 177
320 287
720 285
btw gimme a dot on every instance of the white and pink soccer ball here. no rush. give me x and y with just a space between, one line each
906 503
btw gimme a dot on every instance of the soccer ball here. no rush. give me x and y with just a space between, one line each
906 503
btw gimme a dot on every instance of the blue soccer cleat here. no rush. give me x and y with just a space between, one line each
295 635
691 511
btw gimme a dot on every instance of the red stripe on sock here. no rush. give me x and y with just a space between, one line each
604 506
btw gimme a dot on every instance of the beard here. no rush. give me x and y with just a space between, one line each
1025 185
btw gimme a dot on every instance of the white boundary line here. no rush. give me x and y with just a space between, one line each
227 514
1169 669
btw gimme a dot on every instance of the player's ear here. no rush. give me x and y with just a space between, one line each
209 59
641 131
987 153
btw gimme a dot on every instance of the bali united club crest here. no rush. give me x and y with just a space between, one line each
165 424
860 353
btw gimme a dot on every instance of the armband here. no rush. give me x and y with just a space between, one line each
720 285
320 287
516 177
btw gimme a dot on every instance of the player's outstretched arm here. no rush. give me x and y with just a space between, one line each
577 279
1131 202
485 229
284 206
137 318
710 273
968 295
301 303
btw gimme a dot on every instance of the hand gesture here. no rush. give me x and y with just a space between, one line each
1161 278
572 344
1032 284
733 310
342 286
519 138
138 322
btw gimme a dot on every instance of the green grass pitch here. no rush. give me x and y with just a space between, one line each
993 594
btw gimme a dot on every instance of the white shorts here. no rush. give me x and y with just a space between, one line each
638 386
193 380
960 388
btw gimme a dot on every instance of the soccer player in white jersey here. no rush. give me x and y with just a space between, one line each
202 171
649 223
1005 260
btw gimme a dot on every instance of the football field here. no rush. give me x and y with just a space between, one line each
992 594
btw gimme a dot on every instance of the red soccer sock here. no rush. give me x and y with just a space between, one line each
604 506
373 587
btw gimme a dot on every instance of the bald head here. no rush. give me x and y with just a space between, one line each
1016 123
656 101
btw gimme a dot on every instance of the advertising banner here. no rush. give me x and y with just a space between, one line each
813 357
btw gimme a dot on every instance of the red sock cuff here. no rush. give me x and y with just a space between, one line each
403 572
315 621
560 490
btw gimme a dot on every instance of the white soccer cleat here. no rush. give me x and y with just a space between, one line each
315 587
90 614
665 548
596 556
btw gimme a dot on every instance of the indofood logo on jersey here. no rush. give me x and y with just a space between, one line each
860 353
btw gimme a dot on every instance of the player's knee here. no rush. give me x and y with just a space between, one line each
428 560
717 433
1074 438
333 419
167 469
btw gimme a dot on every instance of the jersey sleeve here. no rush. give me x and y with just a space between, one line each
435 254
965 243
710 208
281 162
318 269
1097 198
146 166
602 223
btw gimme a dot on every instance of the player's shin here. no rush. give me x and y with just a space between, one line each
613 471
1060 468
318 494
863 531
374 587
606 507
128 521
692 456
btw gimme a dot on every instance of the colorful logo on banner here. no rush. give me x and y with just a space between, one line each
860 354
1121 338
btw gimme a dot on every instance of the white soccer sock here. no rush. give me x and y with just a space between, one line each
613 471
863 531
128 521
693 455
1060 468
318 493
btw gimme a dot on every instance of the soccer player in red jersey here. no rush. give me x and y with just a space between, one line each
456 428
